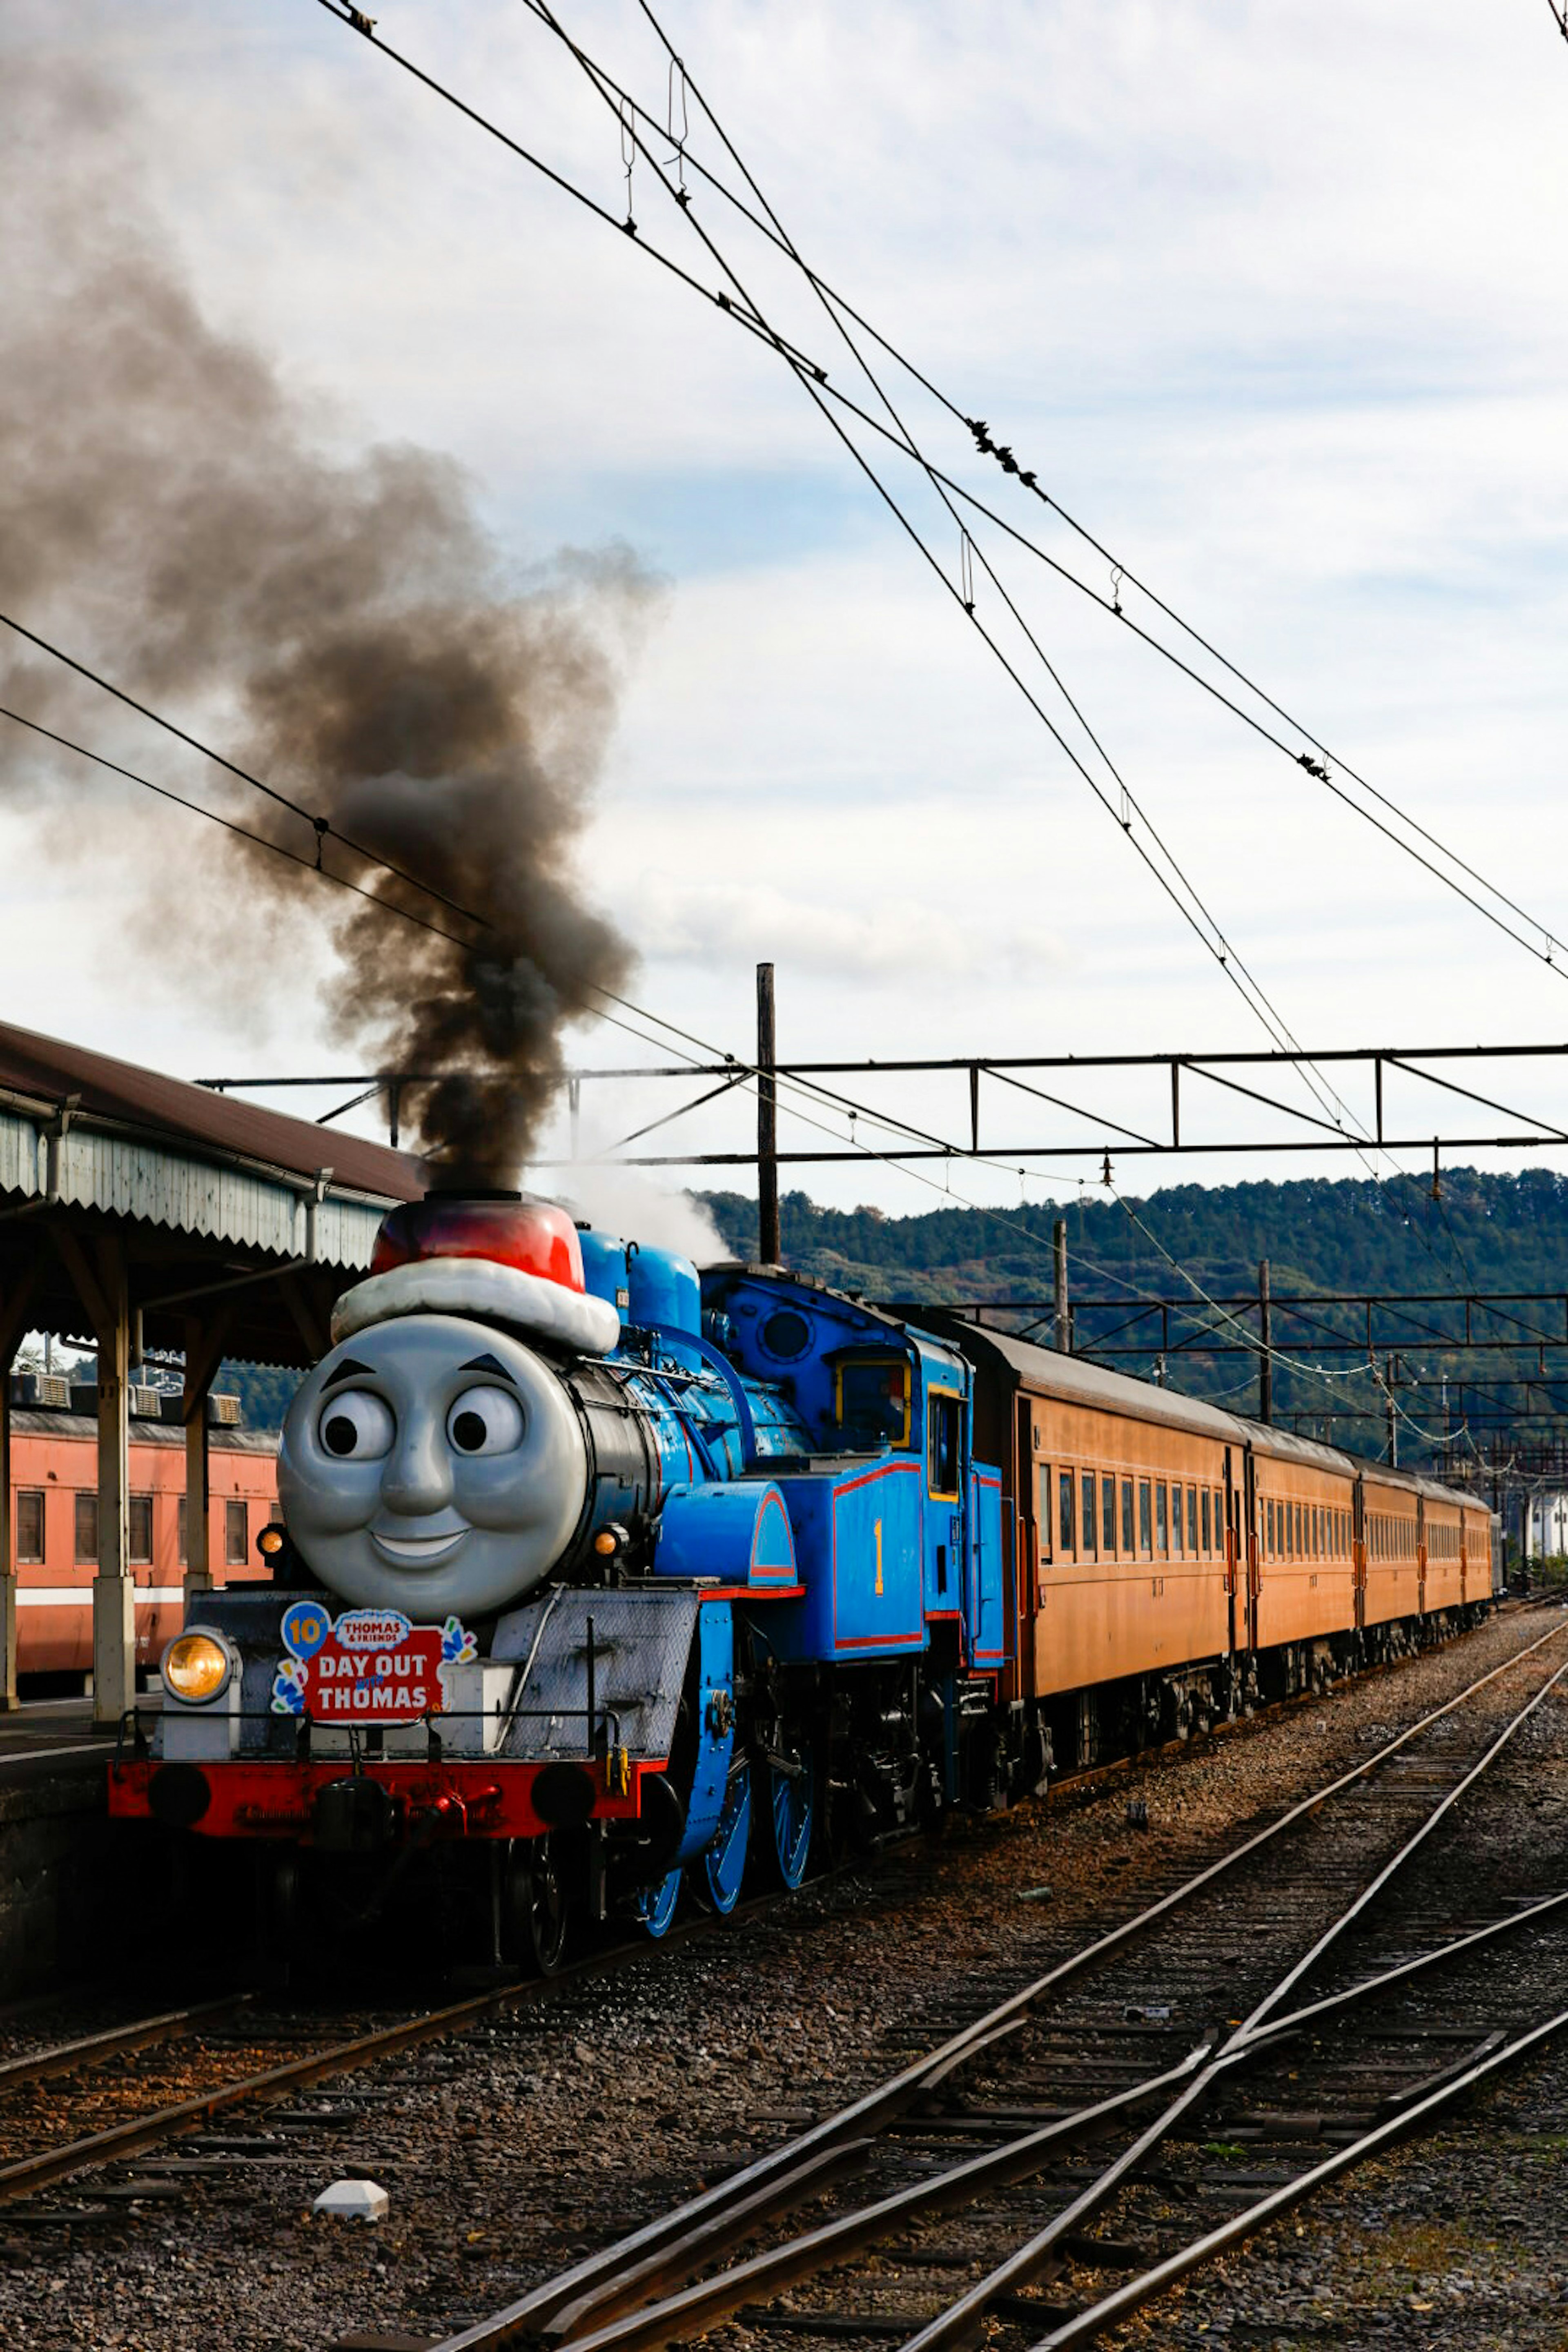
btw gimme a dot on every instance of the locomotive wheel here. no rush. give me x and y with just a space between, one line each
723 1866
786 1822
541 1904
655 1907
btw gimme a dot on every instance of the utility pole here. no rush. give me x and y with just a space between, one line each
769 1247
1266 1359
1063 1326
1389 1363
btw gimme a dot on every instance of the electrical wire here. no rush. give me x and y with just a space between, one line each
834 304
1249 987
311 865
813 380
323 827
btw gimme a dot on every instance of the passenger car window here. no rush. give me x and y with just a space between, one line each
1108 1513
1162 1519
1193 1521
1065 1491
1145 1515
1128 1543
139 1517
1088 1513
236 1535
29 1527
1208 1545
1043 1508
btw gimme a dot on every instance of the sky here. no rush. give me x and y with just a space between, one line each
1270 298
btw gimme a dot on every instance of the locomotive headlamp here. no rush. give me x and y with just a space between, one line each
270 1543
196 1667
610 1540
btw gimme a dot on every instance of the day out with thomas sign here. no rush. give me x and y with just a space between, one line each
368 1666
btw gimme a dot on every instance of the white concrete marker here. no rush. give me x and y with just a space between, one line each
353 2201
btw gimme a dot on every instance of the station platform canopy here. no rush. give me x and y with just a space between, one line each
144 1217
207 1197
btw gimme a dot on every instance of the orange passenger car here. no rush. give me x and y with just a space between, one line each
54 1520
1173 1562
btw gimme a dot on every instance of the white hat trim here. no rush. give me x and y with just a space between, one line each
481 1286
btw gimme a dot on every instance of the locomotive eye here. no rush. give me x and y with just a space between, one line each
356 1425
485 1421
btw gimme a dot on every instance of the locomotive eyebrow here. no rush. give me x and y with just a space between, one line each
488 1364
348 1372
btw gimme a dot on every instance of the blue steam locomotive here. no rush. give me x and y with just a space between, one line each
594 1580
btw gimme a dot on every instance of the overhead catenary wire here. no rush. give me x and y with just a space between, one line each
213 816
814 381
1013 1225
1218 945
322 826
834 304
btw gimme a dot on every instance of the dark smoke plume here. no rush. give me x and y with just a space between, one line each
172 511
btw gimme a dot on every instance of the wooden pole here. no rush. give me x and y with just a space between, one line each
1063 1323
1266 1358
12 1324
769 1240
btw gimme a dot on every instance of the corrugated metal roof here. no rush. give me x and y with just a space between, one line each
45 1070
78 1428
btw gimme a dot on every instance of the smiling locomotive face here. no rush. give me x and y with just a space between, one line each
431 1464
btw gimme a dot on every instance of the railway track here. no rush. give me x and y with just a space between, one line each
204 2062
93 2125
1137 2109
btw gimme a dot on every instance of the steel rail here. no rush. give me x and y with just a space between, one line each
1152 2282
141 2033
531 2314
140 2132
770 2273
679 2317
955 2324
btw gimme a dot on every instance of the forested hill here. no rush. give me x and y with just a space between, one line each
1484 1234
1487 1233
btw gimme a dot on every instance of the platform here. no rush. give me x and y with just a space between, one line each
51 1731
78 1900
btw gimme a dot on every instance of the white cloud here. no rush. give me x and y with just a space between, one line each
1270 294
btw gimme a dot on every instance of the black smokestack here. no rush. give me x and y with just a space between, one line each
340 623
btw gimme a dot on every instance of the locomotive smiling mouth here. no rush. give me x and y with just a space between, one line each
417 1551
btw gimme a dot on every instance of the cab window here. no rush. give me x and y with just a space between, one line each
874 1404
942 1444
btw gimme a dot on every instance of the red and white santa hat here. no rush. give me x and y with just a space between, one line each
498 1257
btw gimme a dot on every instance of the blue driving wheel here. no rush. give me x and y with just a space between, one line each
655 1905
724 1859
792 1810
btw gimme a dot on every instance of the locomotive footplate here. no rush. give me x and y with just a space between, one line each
451 1797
